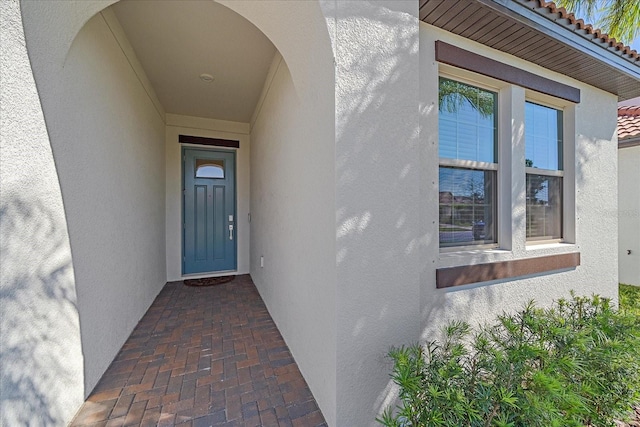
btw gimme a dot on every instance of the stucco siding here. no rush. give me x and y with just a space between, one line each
108 143
293 188
41 360
377 198
292 228
629 215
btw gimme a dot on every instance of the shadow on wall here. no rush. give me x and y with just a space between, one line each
382 235
370 145
377 197
42 365
589 149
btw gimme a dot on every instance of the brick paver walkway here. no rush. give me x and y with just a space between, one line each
207 356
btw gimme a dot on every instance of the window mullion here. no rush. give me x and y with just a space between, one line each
512 185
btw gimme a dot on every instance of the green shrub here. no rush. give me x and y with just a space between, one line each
574 364
630 299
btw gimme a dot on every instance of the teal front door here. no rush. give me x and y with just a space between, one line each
209 211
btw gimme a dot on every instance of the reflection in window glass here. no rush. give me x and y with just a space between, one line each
543 152
206 168
544 207
467 122
543 136
467 207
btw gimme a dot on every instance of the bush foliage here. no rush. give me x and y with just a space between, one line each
574 364
630 299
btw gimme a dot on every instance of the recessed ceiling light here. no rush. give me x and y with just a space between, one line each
206 77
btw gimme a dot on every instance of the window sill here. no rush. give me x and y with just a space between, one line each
469 250
508 269
466 256
548 246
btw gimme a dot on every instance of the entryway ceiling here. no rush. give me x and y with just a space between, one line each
178 40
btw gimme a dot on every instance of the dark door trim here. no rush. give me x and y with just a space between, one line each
215 142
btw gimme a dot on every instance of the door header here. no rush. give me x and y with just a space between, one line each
201 140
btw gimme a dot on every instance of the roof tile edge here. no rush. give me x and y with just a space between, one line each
579 24
631 110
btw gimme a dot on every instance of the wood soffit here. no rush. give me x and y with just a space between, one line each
575 50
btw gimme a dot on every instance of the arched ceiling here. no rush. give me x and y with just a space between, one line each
177 41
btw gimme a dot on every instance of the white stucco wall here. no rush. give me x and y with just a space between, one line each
108 143
41 361
377 197
292 228
292 189
209 128
295 28
629 215
591 125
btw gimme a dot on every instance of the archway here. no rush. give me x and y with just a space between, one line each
109 140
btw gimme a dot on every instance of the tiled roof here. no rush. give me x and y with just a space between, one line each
628 122
589 31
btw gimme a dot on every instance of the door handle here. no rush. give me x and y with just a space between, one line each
230 231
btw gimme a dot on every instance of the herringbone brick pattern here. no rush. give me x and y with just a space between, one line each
207 356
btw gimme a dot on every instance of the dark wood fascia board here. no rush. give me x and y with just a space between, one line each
457 57
201 140
630 142
468 274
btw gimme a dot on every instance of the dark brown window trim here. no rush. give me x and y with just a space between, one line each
467 274
452 55
190 139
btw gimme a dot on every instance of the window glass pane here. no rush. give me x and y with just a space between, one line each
543 137
448 137
206 168
486 151
544 207
467 141
467 122
467 207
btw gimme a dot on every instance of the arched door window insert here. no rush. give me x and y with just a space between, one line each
206 168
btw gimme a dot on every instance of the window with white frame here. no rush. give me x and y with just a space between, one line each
544 172
468 164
